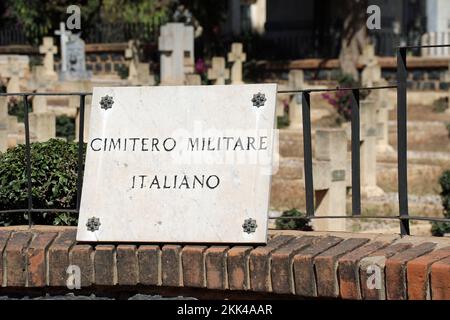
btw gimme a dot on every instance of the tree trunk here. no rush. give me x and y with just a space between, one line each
354 36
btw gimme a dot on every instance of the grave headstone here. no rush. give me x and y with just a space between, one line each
131 54
371 73
193 80
330 168
218 72
42 122
214 156
138 72
176 45
48 49
15 72
42 125
73 57
368 149
383 105
237 56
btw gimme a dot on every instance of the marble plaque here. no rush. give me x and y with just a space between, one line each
179 164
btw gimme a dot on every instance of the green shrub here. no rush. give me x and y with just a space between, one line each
440 228
54 182
440 105
16 108
122 71
301 223
65 127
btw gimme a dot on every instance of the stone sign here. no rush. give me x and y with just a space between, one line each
179 164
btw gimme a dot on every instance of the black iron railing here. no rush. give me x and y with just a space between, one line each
403 217
30 209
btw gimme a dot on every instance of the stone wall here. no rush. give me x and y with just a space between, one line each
101 59
306 264
424 73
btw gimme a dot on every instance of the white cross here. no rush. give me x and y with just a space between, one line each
237 56
49 50
218 72
175 42
64 37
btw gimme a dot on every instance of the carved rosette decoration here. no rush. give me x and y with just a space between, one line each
249 225
259 99
106 102
93 224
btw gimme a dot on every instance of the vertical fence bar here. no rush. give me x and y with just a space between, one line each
28 159
80 151
402 140
356 169
307 154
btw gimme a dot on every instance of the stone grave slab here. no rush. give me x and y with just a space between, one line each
179 164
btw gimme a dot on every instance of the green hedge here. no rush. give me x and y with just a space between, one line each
440 228
54 182
300 223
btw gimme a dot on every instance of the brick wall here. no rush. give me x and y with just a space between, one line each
306 264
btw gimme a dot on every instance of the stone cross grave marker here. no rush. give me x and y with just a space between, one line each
131 54
368 149
382 105
63 38
295 82
218 72
330 188
42 122
15 72
48 49
237 56
156 172
193 80
176 45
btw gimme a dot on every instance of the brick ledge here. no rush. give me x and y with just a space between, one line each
305 264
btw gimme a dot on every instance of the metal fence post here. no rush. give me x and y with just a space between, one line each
307 154
356 169
402 143
28 160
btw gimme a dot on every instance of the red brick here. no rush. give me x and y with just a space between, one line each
58 257
16 259
127 265
281 264
378 258
104 265
348 269
193 266
37 259
149 265
304 277
396 270
418 273
82 255
440 280
237 266
259 263
216 269
326 266
171 266
4 236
